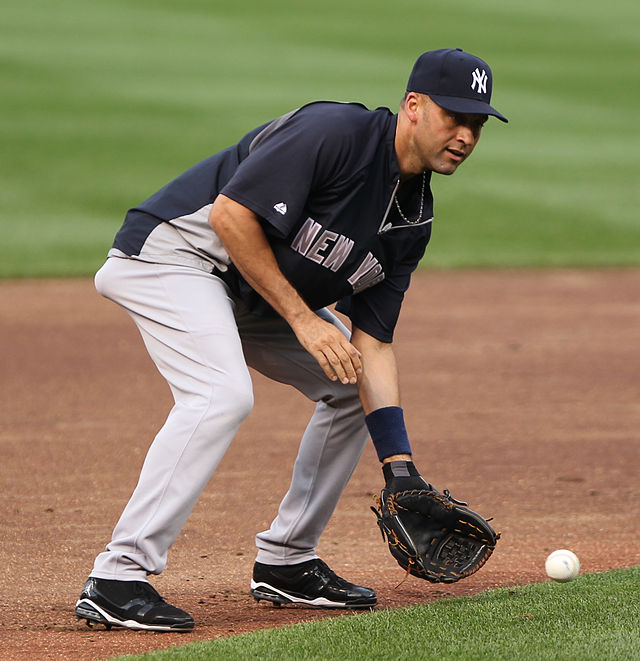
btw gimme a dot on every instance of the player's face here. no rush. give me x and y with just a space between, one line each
444 139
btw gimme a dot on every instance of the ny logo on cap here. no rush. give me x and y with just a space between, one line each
479 79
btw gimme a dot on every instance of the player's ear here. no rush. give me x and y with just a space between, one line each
412 103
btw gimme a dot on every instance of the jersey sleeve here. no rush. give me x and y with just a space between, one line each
275 180
376 310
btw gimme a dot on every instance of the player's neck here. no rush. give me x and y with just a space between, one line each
408 164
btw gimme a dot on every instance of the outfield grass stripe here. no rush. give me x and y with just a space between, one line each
104 102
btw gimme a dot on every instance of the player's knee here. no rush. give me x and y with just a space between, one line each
244 403
236 404
340 395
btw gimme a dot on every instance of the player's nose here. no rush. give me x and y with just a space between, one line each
465 135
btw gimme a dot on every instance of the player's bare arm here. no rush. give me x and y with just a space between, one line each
378 386
244 239
379 392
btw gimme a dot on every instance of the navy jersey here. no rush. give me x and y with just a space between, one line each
322 180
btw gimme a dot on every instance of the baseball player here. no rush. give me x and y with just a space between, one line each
231 265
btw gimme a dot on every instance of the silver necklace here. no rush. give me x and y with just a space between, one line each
419 218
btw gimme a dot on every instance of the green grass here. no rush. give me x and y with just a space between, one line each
105 101
594 618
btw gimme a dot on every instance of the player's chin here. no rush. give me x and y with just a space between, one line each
448 163
447 167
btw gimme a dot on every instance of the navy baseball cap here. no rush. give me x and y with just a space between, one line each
455 80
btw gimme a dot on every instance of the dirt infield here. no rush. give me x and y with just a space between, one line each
522 395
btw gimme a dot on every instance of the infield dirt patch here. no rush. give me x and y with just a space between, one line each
522 396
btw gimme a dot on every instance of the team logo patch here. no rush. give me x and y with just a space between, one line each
479 79
281 207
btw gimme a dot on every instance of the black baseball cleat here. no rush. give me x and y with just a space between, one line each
130 604
309 583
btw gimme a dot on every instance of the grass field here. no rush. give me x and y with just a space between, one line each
104 102
593 618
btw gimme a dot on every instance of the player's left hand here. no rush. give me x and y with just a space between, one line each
433 536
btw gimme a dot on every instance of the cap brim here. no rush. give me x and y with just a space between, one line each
466 106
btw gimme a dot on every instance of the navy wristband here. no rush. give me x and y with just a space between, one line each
388 432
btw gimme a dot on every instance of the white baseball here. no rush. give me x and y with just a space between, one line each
562 565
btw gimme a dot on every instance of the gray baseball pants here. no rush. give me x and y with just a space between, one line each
201 340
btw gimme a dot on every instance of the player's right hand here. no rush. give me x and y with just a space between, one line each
339 359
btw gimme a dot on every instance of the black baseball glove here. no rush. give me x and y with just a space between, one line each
432 535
